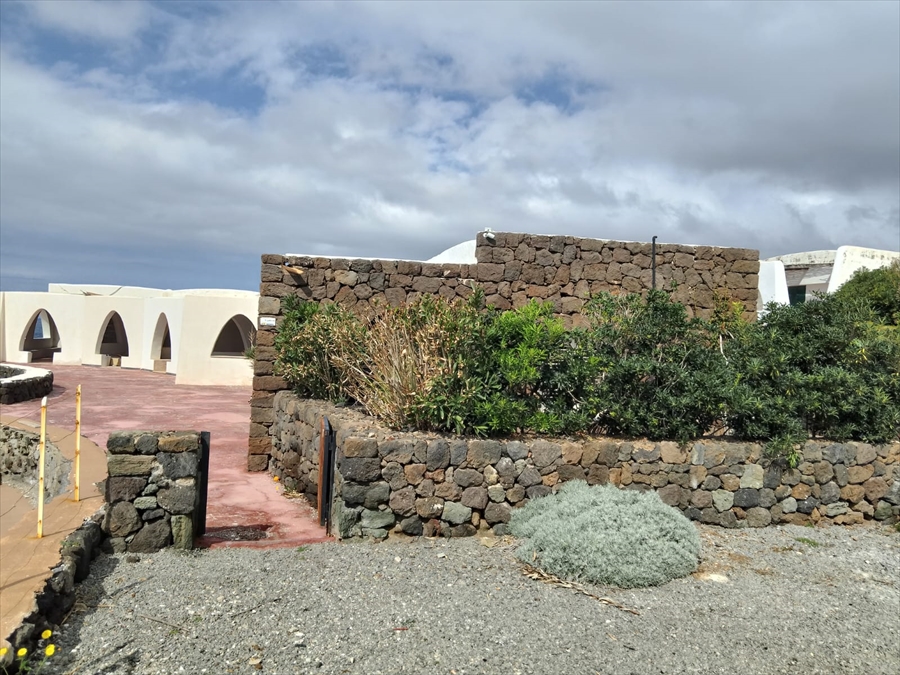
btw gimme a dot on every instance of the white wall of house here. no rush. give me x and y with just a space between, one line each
772 284
204 319
849 259
80 314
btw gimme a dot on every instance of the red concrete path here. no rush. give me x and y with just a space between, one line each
116 399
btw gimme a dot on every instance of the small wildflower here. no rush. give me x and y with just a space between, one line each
47 633
3 651
22 652
50 650
276 479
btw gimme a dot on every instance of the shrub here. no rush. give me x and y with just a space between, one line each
313 346
879 288
418 366
525 349
815 369
642 367
662 375
604 535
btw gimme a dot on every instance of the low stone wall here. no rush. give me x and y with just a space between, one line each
22 383
19 458
151 491
420 483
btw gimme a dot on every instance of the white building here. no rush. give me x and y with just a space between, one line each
796 277
199 336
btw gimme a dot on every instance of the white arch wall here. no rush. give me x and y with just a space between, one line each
173 308
67 311
96 311
195 319
203 319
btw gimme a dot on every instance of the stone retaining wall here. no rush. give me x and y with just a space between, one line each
512 269
22 383
151 492
19 459
429 484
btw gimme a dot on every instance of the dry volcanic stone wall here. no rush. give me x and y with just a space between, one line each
419 483
21 383
512 269
151 491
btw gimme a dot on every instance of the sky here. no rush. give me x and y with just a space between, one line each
170 144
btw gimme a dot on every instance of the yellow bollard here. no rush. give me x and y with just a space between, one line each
77 442
40 532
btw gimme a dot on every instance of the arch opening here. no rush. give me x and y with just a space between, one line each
113 340
41 338
236 337
162 340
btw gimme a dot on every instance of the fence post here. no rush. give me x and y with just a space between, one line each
78 443
40 528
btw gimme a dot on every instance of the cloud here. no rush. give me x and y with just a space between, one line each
91 18
200 133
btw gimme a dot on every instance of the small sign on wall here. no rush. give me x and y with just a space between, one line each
266 321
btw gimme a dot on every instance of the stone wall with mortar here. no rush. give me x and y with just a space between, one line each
151 491
512 269
21 383
419 483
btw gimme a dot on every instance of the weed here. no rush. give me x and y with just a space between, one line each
807 541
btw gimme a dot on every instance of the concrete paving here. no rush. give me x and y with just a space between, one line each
120 399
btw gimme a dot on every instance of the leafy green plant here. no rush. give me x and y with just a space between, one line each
879 289
818 369
604 535
663 375
642 367
315 345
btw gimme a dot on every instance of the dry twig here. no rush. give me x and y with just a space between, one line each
545 577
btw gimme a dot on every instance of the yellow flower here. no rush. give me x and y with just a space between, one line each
47 633
50 650
22 652
3 651
276 479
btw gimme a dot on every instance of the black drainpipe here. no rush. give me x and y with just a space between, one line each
653 262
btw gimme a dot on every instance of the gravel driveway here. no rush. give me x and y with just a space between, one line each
778 600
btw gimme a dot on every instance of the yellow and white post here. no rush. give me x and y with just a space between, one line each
77 443
40 531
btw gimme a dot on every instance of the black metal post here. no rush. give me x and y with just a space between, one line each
326 473
653 262
202 486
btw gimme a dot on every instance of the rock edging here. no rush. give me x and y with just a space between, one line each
420 483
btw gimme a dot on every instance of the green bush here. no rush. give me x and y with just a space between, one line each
879 288
642 367
313 346
819 369
661 373
604 535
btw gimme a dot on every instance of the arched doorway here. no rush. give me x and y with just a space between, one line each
161 347
236 337
113 340
41 338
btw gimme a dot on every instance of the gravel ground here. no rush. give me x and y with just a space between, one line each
777 600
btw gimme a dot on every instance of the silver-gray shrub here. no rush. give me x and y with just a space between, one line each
604 535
